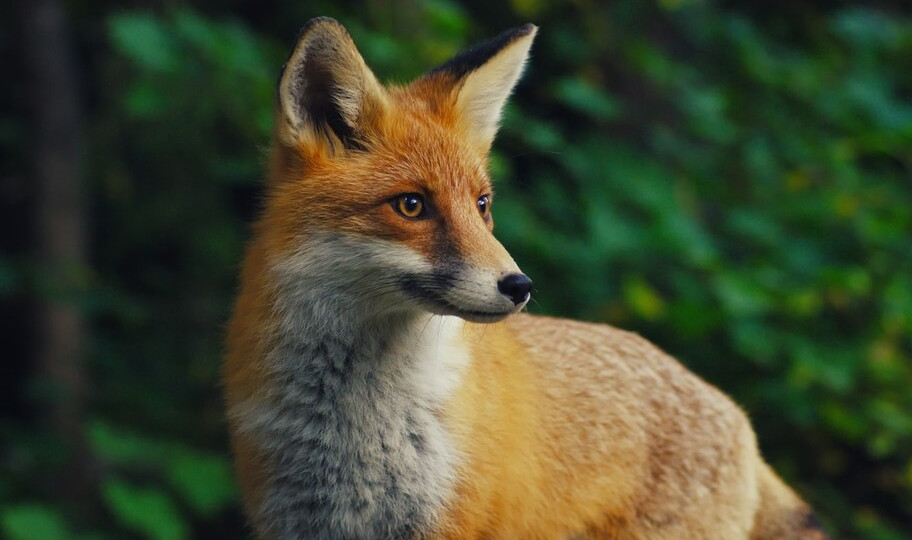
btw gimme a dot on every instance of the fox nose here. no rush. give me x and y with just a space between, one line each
516 287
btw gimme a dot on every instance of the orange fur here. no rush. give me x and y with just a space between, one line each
563 429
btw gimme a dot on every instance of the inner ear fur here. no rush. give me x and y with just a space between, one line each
327 95
480 79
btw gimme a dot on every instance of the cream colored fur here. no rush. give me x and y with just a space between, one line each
484 92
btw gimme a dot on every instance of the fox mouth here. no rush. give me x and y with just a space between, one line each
477 316
427 290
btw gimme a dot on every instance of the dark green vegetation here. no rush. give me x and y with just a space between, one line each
731 179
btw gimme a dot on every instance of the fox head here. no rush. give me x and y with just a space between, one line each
379 198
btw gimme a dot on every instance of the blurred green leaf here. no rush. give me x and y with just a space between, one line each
643 299
585 98
147 511
144 38
33 522
447 17
205 482
121 446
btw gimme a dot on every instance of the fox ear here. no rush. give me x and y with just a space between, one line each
483 78
327 95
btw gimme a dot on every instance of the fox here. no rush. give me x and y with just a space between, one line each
382 378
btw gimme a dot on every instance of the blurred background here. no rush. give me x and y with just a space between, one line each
732 180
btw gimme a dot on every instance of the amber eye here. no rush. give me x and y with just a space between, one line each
484 205
410 205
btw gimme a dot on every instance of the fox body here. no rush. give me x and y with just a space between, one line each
379 380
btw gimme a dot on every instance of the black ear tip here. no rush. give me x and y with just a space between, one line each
511 35
526 29
323 26
318 22
303 31
473 57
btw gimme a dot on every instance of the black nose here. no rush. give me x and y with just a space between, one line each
516 286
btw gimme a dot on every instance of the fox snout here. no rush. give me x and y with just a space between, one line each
470 293
516 287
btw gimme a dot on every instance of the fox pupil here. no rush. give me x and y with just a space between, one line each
483 205
410 205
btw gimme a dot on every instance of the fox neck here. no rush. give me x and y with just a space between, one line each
351 427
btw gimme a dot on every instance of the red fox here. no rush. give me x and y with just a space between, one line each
381 382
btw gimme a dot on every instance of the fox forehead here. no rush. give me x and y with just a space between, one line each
422 149
414 151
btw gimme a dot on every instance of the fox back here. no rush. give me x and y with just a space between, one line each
380 381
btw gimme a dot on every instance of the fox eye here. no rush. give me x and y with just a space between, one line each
484 206
409 205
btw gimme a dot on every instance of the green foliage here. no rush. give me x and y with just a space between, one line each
582 97
148 511
33 522
730 180
203 481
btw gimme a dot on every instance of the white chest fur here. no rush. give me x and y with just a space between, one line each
351 428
